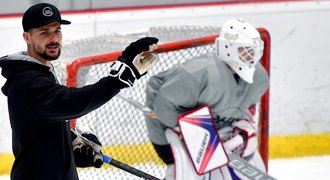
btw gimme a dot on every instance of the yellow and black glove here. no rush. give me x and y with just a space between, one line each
85 145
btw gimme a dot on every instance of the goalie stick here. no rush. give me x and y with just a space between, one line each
127 168
235 162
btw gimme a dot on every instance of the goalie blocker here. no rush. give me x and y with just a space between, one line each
201 139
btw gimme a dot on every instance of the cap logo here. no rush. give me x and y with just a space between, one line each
47 11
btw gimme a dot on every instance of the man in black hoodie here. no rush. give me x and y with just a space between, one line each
40 108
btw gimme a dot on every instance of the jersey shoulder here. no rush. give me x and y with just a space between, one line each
261 75
208 67
199 64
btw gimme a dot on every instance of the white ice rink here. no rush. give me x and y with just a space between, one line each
307 168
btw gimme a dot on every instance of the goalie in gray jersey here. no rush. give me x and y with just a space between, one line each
230 81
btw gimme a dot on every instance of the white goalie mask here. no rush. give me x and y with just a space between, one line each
240 46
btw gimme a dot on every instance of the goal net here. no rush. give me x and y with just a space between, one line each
119 125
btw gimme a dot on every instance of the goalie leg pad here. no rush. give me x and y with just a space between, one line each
182 167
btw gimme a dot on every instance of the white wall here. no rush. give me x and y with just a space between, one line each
300 82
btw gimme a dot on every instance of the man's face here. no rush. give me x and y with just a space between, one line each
44 43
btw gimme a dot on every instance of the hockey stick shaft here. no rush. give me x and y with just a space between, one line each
235 161
147 111
127 168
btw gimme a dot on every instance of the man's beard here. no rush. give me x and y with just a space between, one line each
49 57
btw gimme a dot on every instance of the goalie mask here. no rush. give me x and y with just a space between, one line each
240 46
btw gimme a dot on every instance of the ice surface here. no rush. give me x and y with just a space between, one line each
307 168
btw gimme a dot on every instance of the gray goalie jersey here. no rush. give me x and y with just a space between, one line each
200 81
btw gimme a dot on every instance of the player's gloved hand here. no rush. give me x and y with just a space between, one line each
123 72
242 139
139 55
85 145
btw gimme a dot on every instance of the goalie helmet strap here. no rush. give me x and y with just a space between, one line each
164 153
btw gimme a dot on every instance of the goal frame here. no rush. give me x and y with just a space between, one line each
73 68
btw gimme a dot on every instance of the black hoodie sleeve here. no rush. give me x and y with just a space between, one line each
56 102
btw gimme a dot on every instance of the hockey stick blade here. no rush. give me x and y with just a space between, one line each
247 169
127 168
235 162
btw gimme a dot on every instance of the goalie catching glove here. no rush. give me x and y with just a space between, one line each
240 138
85 145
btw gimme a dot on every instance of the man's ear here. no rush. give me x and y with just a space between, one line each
27 37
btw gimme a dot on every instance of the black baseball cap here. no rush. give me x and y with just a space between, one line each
41 14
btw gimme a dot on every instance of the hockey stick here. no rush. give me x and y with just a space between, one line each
242 166
111 161
127 168
137 105
235 162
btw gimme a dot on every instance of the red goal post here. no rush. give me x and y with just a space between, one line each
166 50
